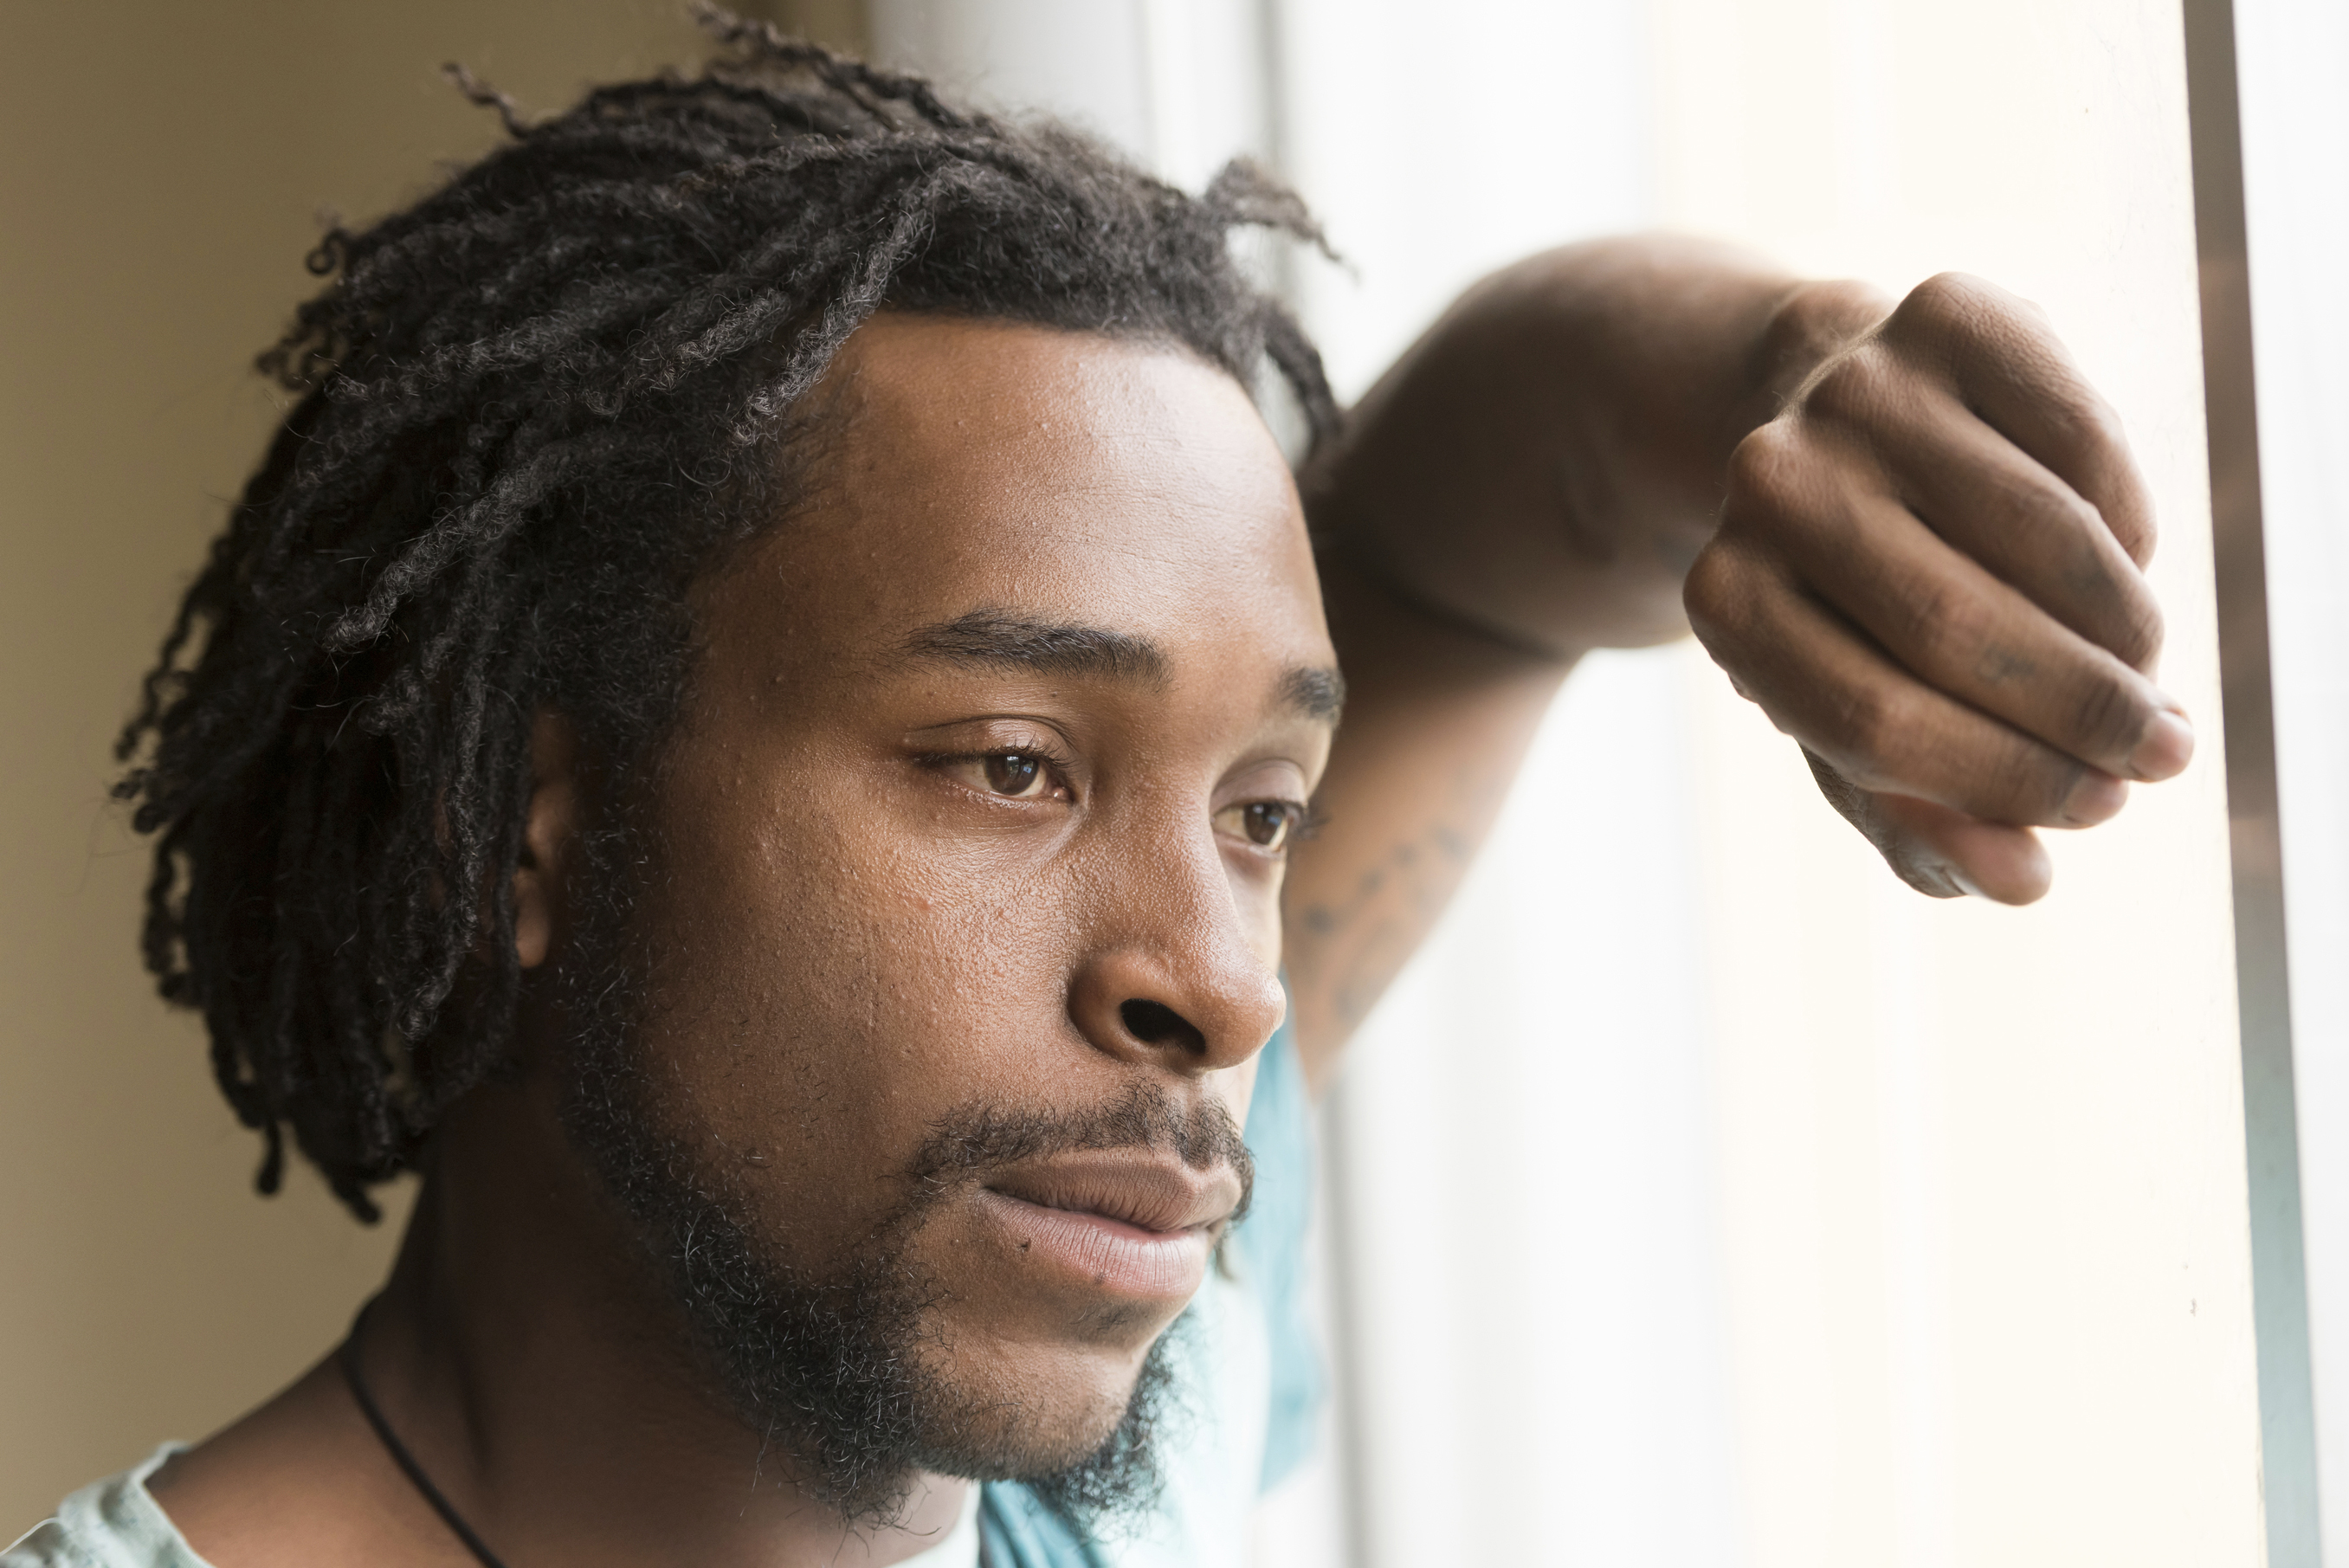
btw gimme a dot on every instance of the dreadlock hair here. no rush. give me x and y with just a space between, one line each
530 410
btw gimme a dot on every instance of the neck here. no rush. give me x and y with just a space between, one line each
528 1357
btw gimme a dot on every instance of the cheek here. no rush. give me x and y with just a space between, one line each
823 997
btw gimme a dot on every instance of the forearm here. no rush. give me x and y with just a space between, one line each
1438 719
1530 481
1546 461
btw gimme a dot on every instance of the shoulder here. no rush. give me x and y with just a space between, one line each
112 1523
300 1482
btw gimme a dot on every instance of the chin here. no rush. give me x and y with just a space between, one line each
1030 1409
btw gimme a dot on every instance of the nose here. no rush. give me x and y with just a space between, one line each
1172 979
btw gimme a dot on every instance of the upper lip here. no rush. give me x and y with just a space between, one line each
1148 1192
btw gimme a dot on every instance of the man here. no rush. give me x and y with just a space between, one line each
753 725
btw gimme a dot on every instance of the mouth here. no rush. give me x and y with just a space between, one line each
1134 1226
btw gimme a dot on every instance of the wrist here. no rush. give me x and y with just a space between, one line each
1808 324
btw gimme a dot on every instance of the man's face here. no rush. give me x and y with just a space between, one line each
963 900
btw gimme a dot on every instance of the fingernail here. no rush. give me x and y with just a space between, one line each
1963 882
2166 747
2095 799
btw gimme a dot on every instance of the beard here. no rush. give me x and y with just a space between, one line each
842 1367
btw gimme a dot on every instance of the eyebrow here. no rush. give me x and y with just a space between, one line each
1012 641
1315 693
993 638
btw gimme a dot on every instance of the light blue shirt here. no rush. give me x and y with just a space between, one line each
111 1523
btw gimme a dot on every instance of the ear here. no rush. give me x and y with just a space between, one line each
546 837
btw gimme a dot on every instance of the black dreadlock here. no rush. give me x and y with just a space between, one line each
532 407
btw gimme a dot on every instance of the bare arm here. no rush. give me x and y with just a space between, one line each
1916 536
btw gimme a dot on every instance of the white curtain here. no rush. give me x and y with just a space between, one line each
1784 1218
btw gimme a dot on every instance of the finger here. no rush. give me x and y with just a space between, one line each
2011 369
1996 503
1822 682
1960 630
1940 852
1986 860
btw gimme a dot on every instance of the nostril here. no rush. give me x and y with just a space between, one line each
1156 1024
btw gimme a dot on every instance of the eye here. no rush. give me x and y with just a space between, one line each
1025 773
1270 825
1015 775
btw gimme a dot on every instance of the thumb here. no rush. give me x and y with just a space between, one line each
1940 852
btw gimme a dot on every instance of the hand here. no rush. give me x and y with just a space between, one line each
1929 572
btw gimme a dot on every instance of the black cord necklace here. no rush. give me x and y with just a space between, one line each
349 1357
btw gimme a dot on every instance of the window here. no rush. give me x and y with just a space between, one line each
1701 1196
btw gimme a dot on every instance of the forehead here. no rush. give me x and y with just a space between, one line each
1057 476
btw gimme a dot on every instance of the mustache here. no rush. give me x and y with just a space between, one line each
970 1141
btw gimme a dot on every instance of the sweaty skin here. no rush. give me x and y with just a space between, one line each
868 930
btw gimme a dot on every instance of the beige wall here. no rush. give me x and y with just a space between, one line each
164 163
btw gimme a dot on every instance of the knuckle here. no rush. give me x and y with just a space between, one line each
2108 716
2113 606
2100 424
1722 594
2059 509
2126 513
1711 590
1950 629
2081 428
2064 516
2138 631
1944 300
1726 595
1765 484
2087 571
1875 731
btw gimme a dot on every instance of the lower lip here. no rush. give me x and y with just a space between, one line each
1110 1255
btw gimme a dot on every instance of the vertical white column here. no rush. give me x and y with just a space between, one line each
1081 59
1178 84
2278 328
